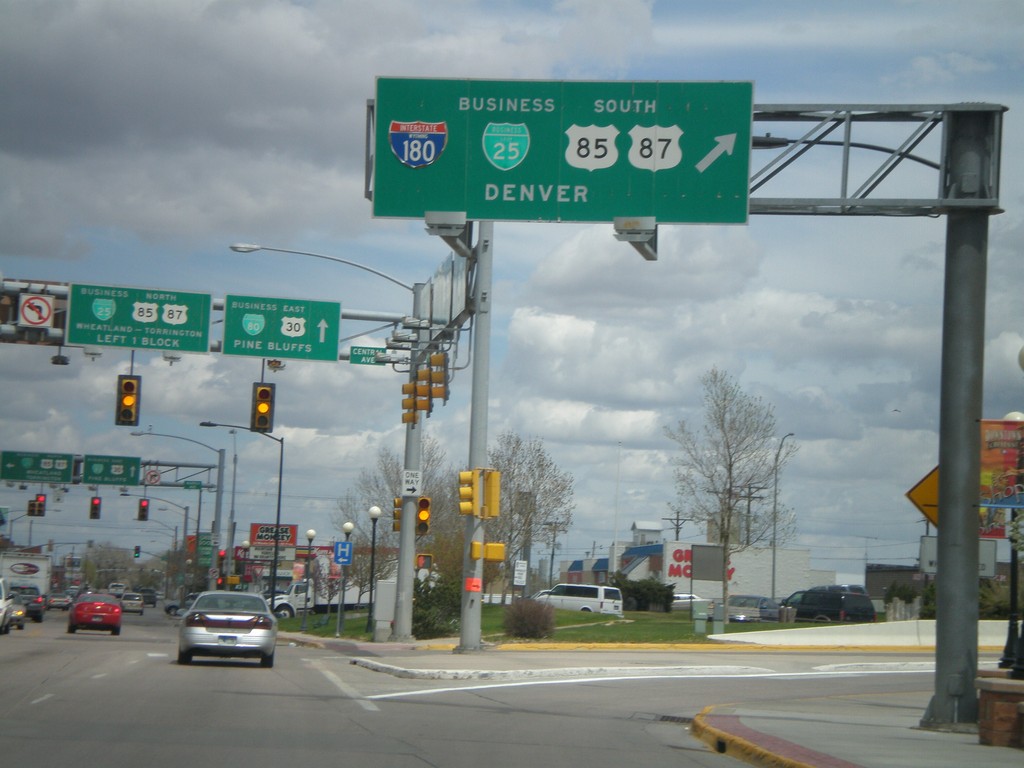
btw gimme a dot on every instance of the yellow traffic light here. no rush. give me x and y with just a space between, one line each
409 415
423 516
129 398
261 418
492 493
439 376
469 492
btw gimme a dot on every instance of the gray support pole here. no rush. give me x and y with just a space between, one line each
963 332
405 578
473 570
218 504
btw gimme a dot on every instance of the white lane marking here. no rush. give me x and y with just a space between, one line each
158 655
42 698
101 674
619 678
347 689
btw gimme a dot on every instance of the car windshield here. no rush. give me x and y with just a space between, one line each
131 596
743 602
230 603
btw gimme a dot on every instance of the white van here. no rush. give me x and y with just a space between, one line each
592 598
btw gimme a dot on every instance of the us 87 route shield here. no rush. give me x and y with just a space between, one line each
563 151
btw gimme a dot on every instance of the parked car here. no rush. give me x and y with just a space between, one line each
593 598
752 608
858 588
95 610
34 601
228 624
173 607
131 602
17 613
148 596
684 601
60 600
825 605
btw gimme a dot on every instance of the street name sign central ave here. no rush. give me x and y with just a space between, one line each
563 151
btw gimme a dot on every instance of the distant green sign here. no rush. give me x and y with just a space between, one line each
255 326
365 355
524 150
36 467
140 318
111 470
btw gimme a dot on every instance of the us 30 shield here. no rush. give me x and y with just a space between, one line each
506 144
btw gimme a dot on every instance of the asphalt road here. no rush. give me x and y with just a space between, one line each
92 699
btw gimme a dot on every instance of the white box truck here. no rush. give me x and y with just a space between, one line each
29 575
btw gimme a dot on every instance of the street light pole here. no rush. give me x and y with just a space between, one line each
218 499
277 519
310 535
775 507
374 514
348 527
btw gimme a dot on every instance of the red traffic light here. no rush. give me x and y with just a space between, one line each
95 505
143 509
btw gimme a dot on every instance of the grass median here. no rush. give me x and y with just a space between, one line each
570 627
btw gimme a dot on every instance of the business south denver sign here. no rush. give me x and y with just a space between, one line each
563 151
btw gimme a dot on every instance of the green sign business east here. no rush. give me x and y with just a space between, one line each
563 151
258 326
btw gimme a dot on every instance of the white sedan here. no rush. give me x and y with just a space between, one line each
228 624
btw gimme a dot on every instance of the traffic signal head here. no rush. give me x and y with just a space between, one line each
492 493
143 509
409 415
469 492
261 418
423 516
138 550
94 507
37 505
423 560
129 398
396 525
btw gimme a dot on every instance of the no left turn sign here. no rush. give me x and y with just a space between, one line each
35 311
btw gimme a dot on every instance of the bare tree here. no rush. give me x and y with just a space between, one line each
726 469
535 495
380 486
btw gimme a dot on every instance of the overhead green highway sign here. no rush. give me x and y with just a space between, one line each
111 470
563 151
255 326
140 318
36 467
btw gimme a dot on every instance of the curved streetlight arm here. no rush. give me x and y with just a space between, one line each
250 248
140 433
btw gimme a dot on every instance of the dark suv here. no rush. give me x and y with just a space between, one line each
821 605
32 600
148 596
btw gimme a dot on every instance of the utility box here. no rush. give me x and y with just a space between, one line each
384 609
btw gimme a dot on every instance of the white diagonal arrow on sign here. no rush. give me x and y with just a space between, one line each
724 146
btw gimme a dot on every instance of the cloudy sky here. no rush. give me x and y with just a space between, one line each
139 140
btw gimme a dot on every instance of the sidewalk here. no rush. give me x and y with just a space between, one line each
835 731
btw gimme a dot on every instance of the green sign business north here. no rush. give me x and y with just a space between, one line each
36 467
563 151
140 318
111 470
263 327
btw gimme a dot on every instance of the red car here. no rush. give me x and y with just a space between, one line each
93 610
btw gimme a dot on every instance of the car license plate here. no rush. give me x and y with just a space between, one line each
97 619
227 639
